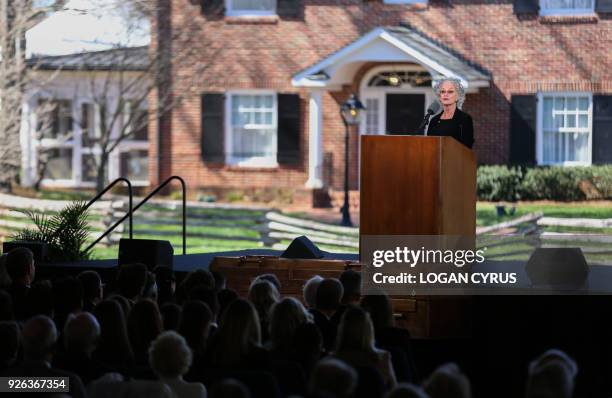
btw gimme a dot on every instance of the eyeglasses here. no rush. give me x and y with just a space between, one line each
447 92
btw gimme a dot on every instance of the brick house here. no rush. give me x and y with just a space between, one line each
538 76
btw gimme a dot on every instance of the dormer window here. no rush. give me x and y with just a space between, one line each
250 8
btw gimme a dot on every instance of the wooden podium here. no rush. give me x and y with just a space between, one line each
416 185
419 185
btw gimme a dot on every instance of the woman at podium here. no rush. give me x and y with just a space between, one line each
452 122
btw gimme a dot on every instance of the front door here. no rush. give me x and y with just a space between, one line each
404 113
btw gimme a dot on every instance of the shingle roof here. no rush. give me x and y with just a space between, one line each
439 52
125 59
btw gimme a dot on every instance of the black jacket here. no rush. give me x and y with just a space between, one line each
460 127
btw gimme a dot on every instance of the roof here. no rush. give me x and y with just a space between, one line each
125 59
410 43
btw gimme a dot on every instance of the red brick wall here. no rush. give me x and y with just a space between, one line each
523 54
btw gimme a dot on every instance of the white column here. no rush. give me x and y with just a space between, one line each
315 140
26 137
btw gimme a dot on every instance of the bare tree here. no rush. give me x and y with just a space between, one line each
16 17
120 83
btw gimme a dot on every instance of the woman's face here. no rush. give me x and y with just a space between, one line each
448 94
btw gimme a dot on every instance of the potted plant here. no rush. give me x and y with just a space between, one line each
63 234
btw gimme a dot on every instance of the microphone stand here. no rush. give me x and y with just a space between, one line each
423 127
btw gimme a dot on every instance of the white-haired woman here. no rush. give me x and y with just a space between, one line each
452 122
170 358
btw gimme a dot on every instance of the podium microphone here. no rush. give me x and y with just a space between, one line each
433 108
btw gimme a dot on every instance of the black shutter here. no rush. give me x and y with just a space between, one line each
289 8
602 129
603 5
212 7
523 129
288 129
212 142
526 6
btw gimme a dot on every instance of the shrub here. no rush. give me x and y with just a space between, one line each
503 183
497 183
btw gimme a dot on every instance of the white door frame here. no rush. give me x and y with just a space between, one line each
380 94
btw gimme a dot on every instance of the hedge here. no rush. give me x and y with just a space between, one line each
504 183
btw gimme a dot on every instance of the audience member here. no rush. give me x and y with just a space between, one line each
195 325
81 335
125 304
20 268
150 288
329 294
551 375
207 296
5 279
308 346
114 348
9 336
285 317
38 338
406 390
229 388
310 291
199 277
171 315
170 358
41 299
237 342
6 306
220 280
68 294
144 325
332 378
225 297
166 284
447 381
131 280
272 278
93 289
263 294
355 344
351 284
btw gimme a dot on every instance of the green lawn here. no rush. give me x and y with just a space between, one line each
239 223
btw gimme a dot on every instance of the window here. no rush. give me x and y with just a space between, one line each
252 136
251 7
405 1
59 164
90 131
55 119
134 165
137 118
565 129
567 7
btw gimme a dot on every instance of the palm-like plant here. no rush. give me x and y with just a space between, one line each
65 233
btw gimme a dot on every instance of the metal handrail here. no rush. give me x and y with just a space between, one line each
99 195
142 202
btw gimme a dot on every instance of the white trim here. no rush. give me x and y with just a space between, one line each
315 140
228 136
301 80
231 12
540 127
380 94
435 68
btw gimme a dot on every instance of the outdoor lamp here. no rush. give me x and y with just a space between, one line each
351 112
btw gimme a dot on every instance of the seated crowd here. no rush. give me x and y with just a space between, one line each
150 337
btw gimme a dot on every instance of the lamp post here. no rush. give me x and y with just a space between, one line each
351 112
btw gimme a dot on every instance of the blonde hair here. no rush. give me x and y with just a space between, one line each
355 332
